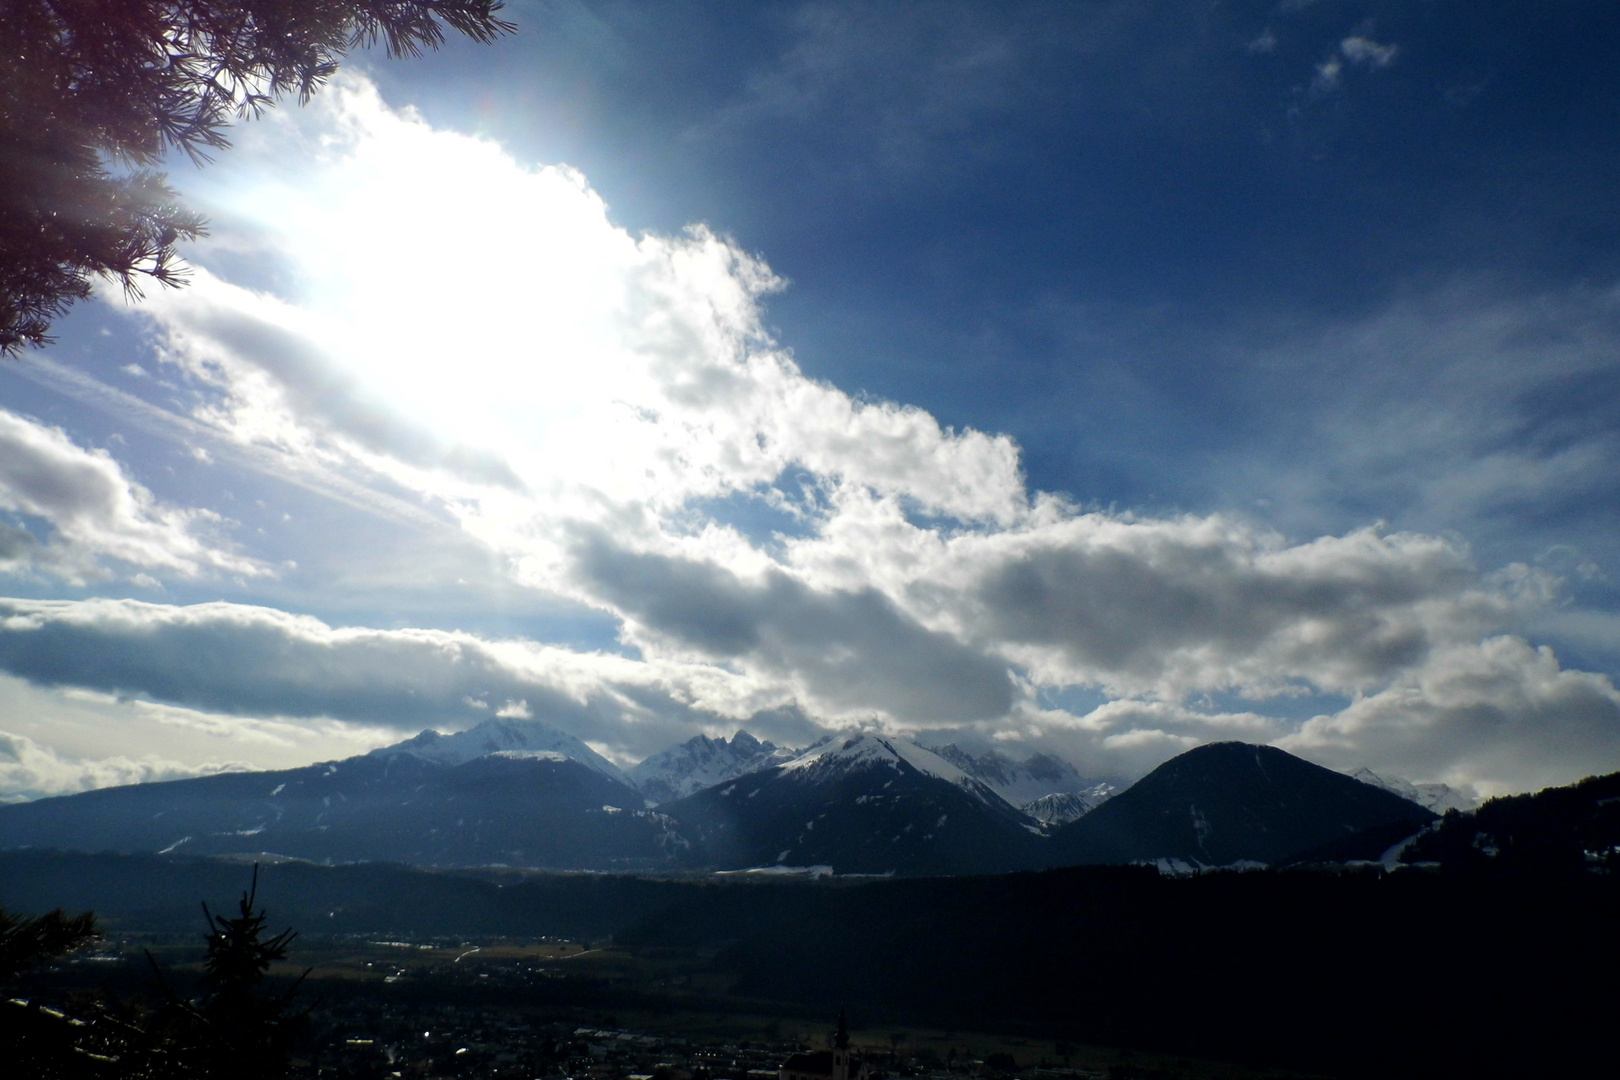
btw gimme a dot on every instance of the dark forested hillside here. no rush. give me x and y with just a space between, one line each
1358 974
1562 831
1366 975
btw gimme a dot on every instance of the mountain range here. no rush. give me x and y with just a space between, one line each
523 793
702 762
514 807
862 803
1436 797
1023 782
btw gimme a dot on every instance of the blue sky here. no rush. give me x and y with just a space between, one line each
1103 378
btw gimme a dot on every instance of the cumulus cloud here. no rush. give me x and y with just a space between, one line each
1356 50
583 403
1327 75
842 652
1172 607
1501 716
243 661
29 770
93 511
1125 738
602 368
1364 50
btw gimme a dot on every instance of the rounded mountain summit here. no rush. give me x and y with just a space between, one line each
1225 803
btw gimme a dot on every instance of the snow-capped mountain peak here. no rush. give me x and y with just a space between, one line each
1062 807
1023 782
509 737
1436 797
840 754
702 762
861 749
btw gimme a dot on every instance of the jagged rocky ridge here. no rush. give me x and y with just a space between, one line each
1022 782
702 762
1062 807
860 803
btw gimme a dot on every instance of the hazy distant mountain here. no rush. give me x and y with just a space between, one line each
860 803
419 802
1019 782
1062 807
702 762
1227 803
514 737
1436 797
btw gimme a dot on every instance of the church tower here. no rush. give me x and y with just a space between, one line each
834 1064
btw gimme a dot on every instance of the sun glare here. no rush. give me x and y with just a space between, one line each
493 304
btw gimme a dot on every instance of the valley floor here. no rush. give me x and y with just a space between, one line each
545 1008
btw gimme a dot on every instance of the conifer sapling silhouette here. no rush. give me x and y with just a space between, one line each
238 1027
35 1040
28 943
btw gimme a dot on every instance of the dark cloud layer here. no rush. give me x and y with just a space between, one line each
250 661
1134 604
851 649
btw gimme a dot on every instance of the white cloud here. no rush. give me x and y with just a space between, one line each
1355 50
1364 50
581 399
83 725
607 380
29 770
94 512
258 674
1172 607
1500 716
1327 75
1125 738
